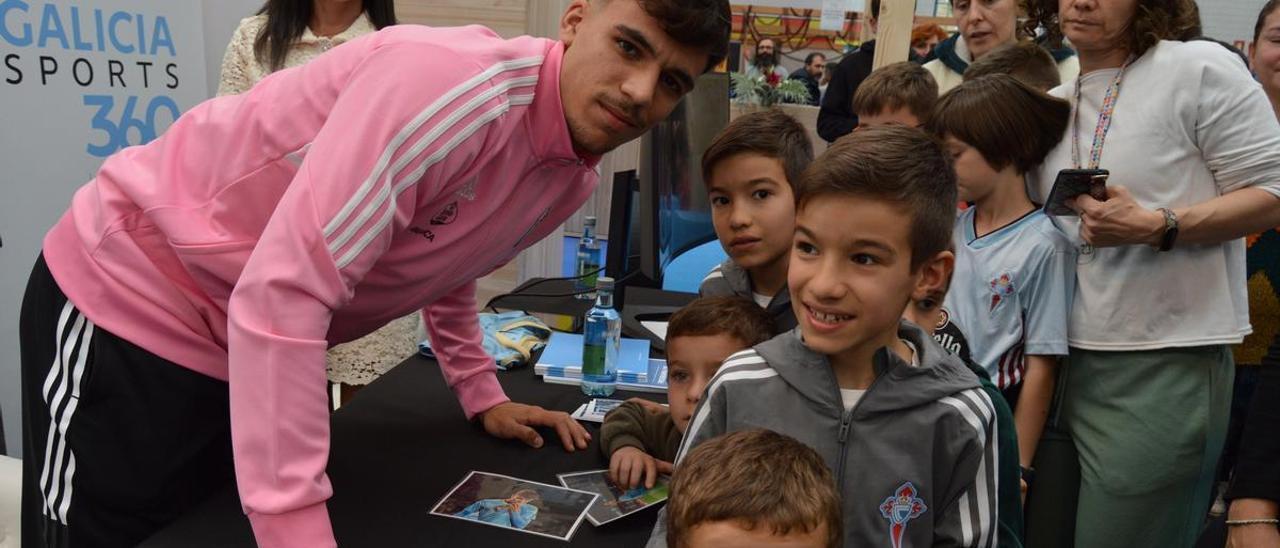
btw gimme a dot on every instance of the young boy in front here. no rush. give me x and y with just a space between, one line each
641 440
901 94
1015 272
753 488
749 170
904 424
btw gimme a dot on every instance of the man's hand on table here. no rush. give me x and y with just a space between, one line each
511 420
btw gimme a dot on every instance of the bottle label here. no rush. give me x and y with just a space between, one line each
593 359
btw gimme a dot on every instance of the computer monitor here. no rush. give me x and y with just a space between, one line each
674 214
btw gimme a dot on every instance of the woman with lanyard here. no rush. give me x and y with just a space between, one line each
1193 152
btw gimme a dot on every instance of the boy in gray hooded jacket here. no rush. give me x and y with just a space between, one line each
905 426
749 169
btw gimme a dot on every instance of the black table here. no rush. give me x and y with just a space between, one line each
399 446
551 296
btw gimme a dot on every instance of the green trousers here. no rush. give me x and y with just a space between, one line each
1148 428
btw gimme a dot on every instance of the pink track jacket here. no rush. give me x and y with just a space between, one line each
382 178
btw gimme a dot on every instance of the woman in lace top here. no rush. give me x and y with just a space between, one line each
288 33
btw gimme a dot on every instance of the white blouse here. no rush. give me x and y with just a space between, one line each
1190 125
241 69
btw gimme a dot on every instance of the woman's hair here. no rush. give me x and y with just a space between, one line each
922 33
1009 122
288 19
1153 21
1267 8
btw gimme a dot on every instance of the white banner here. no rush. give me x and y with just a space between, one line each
79 80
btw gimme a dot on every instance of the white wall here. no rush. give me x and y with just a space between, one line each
1230 20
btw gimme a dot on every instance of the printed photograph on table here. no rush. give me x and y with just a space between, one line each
614 502
516 504
595 410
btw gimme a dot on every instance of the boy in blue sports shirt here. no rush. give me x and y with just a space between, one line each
1015 272
905 425
749 170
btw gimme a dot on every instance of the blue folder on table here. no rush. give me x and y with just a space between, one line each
562 357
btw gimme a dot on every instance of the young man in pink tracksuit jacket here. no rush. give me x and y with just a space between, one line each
204 274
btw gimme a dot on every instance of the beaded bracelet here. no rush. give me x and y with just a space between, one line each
1258 521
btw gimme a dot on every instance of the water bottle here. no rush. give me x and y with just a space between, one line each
588 260
601 343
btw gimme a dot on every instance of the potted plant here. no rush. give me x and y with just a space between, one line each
767 90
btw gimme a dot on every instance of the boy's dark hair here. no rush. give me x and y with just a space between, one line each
1023 60
892 87
1021 131
874 12
757 478
900 165
770 133
702 24
734 316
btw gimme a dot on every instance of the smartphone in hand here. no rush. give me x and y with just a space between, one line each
1074 182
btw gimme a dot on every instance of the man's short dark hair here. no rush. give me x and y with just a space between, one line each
1024 60
1020 131
771 133
756 478
892 87
702 24
808 59
736 317
899 165
874 13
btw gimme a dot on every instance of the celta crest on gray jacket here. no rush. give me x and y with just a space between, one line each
727 278
915 460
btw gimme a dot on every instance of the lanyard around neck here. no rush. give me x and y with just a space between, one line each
1104 120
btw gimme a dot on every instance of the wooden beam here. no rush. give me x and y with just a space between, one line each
893 39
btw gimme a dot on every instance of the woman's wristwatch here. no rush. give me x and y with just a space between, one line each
1170 229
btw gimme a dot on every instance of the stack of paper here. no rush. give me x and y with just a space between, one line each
657 371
